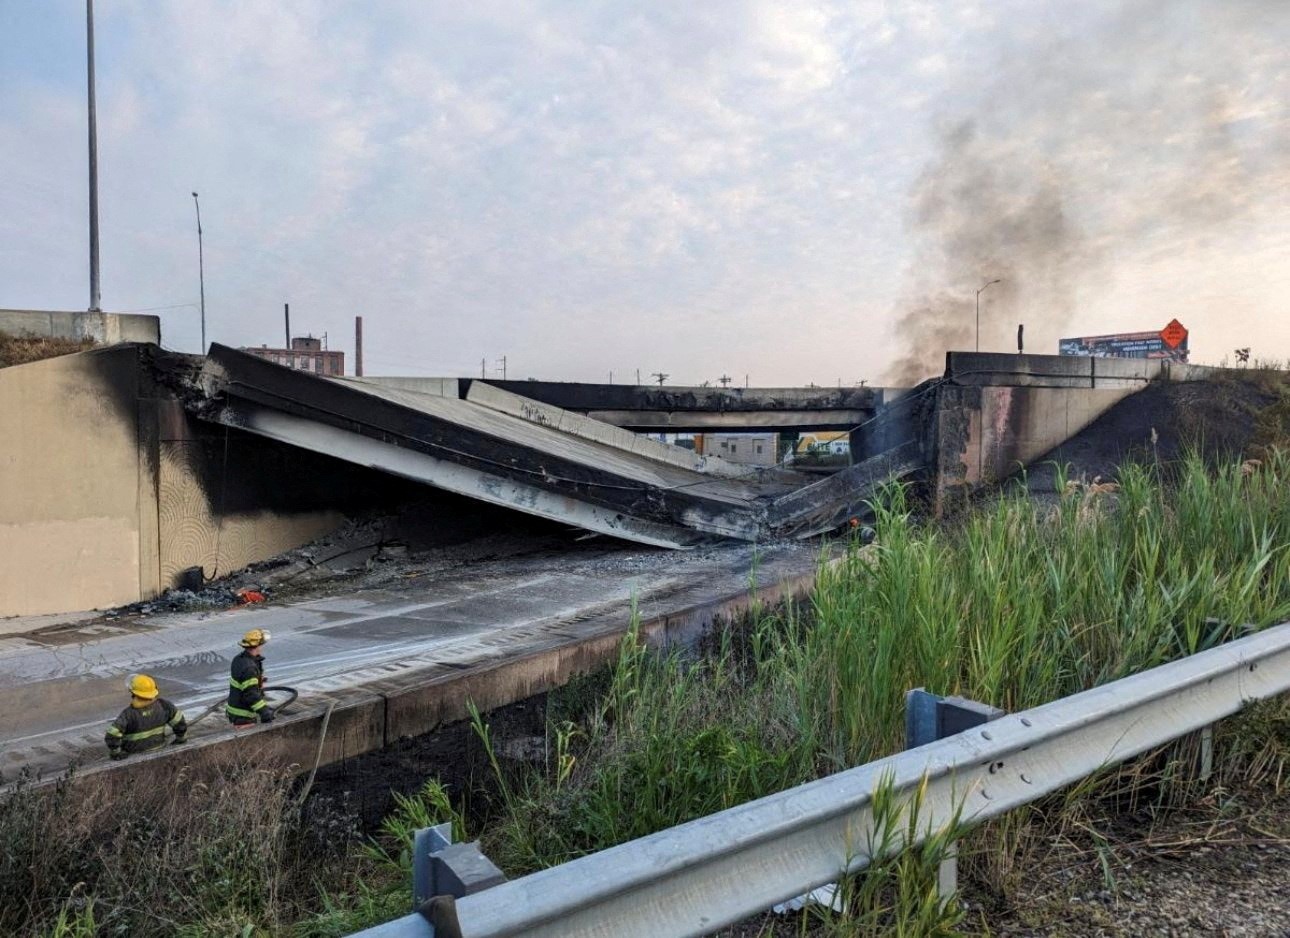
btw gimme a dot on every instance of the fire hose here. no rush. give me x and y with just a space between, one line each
291 692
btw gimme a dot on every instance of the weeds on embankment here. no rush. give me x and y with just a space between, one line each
188 856
1017 603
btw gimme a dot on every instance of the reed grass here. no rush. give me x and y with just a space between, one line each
1021 602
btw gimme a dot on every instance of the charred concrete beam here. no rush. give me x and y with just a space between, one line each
831 502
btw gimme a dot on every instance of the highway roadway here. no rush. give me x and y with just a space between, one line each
60 685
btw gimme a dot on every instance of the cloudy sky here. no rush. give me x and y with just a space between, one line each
796 191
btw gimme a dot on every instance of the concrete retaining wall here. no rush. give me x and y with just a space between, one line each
196 467
108 489
996 413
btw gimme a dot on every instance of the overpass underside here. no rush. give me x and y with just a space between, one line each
488 443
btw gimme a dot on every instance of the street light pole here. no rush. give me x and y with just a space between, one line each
978 312
95 302
201 269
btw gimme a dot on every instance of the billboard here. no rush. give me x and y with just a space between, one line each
1169 342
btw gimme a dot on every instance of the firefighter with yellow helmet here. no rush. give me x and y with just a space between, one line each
246 704
141 727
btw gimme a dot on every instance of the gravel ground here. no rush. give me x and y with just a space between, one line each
1218 867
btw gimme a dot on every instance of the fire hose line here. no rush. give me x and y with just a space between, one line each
291 693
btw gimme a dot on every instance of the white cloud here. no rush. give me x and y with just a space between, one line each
691 187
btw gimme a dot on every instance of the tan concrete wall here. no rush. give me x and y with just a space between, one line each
71 484
985 434
199 519
101 499
192 534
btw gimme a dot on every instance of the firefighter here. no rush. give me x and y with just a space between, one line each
141 727
246 704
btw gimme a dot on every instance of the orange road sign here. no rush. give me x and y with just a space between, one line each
1174 334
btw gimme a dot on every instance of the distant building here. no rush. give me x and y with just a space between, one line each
306 354
751 449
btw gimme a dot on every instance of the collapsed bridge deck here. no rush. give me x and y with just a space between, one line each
502 449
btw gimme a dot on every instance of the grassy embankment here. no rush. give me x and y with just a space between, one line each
22 349
1017 603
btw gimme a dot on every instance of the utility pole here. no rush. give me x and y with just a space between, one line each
201 268
358 346
95 303
661 377
611 377
1021 338
978 312
725 380
502 361
638 376
286 322
483 367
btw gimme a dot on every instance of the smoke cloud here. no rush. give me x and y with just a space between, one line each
1149 140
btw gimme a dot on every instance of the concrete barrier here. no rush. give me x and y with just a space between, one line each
103 328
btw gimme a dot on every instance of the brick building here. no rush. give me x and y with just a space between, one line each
306 354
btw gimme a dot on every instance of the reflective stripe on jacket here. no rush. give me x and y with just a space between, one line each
246 689
143 729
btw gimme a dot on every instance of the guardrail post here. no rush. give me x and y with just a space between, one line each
1206 752
443 870
928 718
426 842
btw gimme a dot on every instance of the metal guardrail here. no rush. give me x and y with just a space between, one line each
703 875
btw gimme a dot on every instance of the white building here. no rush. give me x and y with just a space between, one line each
751 449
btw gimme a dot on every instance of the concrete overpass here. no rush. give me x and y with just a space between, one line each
675 409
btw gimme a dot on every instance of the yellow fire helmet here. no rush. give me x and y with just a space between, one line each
142 686
255 638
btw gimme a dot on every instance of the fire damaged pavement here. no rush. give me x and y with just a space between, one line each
534 458
354 643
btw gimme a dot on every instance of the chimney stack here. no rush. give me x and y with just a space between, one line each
358 346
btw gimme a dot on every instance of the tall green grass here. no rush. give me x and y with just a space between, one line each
1020 602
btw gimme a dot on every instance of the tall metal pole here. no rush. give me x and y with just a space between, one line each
358 346
94 159
201 269
978 312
